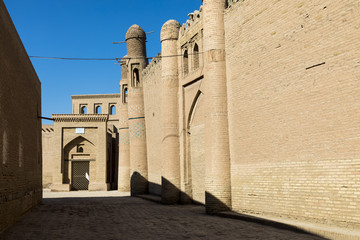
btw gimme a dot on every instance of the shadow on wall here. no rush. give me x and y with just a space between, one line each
138 184
170 194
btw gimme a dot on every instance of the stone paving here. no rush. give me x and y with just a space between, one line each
85 216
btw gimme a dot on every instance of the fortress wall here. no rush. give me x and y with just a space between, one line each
152 100
293 78
20 127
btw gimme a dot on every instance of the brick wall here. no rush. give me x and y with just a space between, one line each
293 87
153 113
20 127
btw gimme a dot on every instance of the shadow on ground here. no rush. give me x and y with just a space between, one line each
133 218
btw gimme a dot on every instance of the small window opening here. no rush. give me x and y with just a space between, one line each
186 62
125 94
112 110
196 56
79 149
83 110
98 110
136 78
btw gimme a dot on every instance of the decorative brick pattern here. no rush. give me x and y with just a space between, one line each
137 130
124 137
136 109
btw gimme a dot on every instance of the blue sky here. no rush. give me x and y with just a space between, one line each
86 28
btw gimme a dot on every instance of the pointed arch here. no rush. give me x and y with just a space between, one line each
72 147
193 108
195 150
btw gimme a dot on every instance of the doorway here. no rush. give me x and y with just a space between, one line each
80 175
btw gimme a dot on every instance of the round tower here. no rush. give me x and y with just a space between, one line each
170 182
124 148
136 51
217 153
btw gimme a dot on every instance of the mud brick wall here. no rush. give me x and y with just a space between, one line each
293 76
20 127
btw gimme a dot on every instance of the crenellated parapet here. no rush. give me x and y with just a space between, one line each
194 18
151 66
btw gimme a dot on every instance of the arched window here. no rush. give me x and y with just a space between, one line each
196 56
98 109
186 62
112 110
83 110
136 78
124 93
80 149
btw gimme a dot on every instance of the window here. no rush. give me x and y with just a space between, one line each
186 62
98 109
196 56
112 110
80 149
83 110
136 78
124 93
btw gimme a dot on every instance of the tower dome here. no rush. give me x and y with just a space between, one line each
170 30
135 31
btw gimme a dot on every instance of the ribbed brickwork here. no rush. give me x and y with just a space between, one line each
217 156
136 51
170 126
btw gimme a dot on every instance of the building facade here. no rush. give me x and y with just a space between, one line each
80 149
251 107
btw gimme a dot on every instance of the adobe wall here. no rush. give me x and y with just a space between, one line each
20 127
152 100
293 89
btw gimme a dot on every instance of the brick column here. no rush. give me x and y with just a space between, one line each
217 154
124 148
136 48
170 181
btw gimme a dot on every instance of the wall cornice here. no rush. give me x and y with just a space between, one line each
80 117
